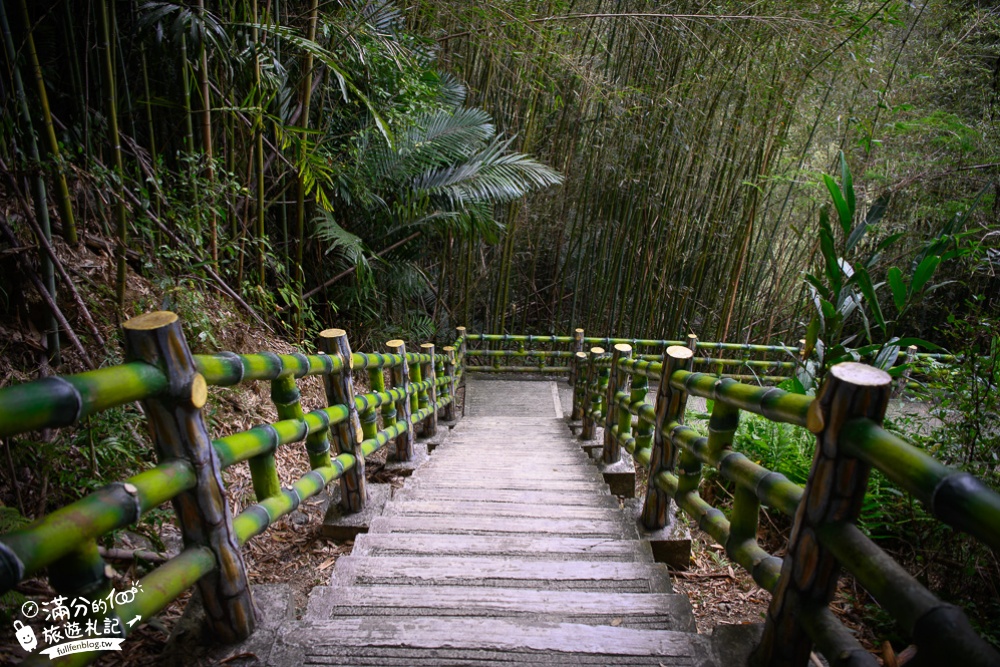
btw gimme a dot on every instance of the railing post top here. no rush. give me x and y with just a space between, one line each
578 331
335 341
623 348
678 352
597 350
581 355
460 330
150 321
448 348
395 343
332 333
861 375
427 346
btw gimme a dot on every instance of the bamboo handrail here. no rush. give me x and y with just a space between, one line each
65 538
674 462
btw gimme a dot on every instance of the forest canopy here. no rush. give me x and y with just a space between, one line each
628 167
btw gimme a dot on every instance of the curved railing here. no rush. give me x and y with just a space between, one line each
846 417
509 353
172 384
745 362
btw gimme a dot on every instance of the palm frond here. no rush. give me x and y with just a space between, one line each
349 247
492 175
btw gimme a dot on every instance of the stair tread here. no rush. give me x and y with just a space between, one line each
517 546
473 525
497 572
481 641
660 610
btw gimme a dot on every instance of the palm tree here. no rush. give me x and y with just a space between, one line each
442 178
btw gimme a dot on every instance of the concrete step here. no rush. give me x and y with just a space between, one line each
403 571
524 547
505 474
486 482
417 642
617 529
518 496
657 611
486 508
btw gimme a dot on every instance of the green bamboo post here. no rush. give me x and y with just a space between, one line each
617 380
643 429
369 417
833 494
670 404
579 386
576 348
462 339
590 397
401 380
449 370
429 372
418 400
347 434
461 333
263 468
904 378
441 376
603 378
179 432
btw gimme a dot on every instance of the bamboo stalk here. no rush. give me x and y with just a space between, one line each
670 404
179 432
401 381
618 381
37 190
834 493
64 199
347 434
53 257
121 225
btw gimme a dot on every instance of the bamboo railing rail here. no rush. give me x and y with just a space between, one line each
173 386
509 353
609 389
846 418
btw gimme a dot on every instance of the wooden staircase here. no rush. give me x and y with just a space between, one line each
505 548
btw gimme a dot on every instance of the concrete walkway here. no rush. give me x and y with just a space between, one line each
505 548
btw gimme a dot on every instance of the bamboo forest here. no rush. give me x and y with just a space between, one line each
429 332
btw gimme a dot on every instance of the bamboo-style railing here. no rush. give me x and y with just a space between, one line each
846 417
610 390
172 385
507 353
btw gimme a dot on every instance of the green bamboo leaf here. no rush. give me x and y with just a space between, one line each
812 334
823 290
889 240
865 283
832 263
845 176
919 342
896 371
924 272
886 357
877 210
895 278
843 210
856 236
